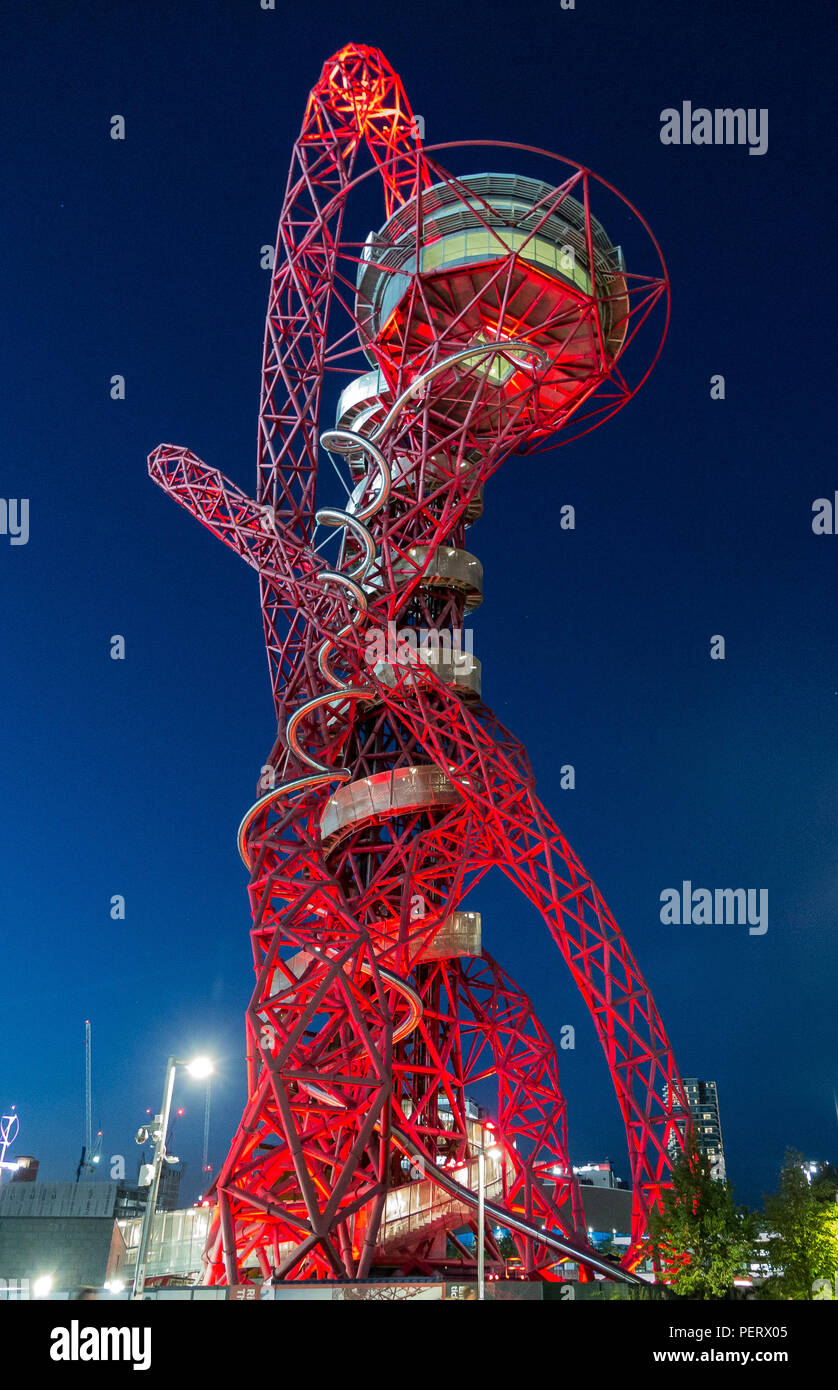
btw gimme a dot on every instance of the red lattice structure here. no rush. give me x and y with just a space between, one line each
490 314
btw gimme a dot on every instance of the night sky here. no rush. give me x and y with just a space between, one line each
694 517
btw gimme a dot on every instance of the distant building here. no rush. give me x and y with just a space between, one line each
168 1191
815 1168
118 1200
597 1175
71 1199
176 1244
27 1169
607 1204
66 1231
72 1231
703 1101
608 1212
70 1251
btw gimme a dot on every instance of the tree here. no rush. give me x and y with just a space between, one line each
802 1219
825 1184
699 1237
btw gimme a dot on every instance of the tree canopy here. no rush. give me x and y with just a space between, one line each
700 1238
802 1221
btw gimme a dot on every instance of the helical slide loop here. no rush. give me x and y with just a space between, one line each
345 441
350 579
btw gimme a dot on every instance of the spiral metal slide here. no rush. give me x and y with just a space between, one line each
345 441
504 1217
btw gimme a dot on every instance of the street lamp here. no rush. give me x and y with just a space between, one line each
199 1067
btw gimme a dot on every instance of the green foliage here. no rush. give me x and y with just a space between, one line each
825 1184
803 1221
700 1239
506 1246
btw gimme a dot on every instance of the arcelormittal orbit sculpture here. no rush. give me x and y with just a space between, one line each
489 312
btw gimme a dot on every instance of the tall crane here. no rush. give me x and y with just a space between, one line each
206 1166
91 1152
88 1087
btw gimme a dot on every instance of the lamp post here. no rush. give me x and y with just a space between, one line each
481 1223
199 1068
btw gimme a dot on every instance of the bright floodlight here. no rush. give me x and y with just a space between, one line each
42 1286
200 1068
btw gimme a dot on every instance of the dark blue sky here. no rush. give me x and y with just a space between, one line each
693 518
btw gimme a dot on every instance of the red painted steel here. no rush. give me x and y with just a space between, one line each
359 1037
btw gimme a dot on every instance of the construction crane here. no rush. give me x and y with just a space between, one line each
206 1166
170 1136
91 1151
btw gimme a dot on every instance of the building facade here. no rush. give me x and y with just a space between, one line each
703 1100
71 1232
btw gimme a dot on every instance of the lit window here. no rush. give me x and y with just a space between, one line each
477 243
513 240
544 252
498 369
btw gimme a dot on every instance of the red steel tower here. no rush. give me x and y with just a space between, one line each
490 312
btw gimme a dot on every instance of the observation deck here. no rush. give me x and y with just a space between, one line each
467 226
